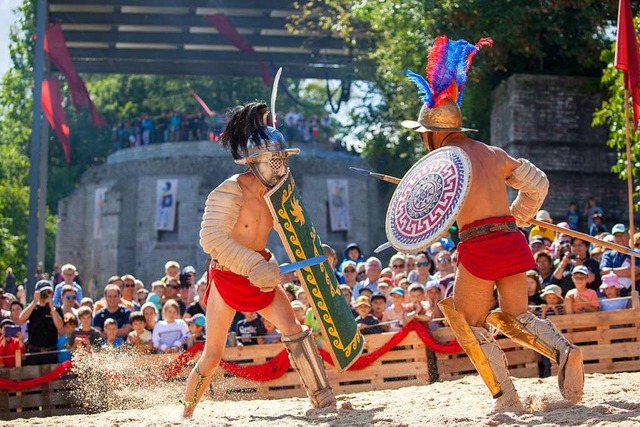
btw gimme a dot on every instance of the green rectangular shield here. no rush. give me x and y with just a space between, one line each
301 241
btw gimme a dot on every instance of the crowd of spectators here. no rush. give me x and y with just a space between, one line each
180 126
168 316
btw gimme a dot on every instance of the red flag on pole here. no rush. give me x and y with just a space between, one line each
52 106
628 56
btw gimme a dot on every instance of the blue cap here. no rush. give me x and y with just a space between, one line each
397 290
198 319
580 269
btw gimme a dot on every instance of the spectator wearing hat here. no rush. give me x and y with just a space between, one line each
69 277
611 289
581 299
421 273
378 305
547 234
196 324
384 287
552 302
351 253
619 263
367 323
349 274
577 254
373 268
396 312
45 320
597 225
188 285
11 340
536 243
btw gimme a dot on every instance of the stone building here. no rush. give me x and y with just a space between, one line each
119 235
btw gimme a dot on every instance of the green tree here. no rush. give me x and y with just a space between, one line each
530 36
611 114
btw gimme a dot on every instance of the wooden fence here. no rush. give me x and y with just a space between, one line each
609 342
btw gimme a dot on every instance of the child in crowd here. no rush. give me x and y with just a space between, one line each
170 334
157 294
611 288
139 338
10 344
250 330
417 307
301 296
300 310
378 305
534 283
384 286
196 325
581 299
112 340
433 295
64 337
272 335
396 312
366 322
150 313
86 302
85 335
552 302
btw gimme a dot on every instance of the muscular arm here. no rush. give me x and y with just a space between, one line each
221 212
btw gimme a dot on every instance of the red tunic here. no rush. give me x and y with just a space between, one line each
495 255
237 291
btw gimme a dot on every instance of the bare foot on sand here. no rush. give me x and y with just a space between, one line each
571 378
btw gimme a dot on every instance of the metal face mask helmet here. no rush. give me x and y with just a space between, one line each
268 155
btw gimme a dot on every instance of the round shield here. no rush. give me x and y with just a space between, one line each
428 199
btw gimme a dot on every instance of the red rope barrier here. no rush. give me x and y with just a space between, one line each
57 372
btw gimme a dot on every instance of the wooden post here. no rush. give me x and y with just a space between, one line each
18 356
627 133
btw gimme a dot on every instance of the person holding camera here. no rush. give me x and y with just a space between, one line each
10 342
578 254
45 320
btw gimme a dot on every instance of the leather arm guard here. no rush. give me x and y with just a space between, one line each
220 216
533 185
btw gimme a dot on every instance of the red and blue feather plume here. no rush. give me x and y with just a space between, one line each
447 65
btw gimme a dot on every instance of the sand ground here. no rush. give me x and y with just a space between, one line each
610 399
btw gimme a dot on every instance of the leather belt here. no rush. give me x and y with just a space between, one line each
483 229
215 265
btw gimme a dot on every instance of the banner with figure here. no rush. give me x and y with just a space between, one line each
166 190
98 211
343 339
338 204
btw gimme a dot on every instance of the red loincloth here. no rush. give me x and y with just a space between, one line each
495 255
237 291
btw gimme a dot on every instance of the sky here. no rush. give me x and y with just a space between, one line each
7 17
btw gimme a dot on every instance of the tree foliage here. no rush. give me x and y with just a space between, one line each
530 36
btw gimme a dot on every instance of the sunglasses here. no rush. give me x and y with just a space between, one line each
172 286
129 285
423 264
349 270
441 260
69 297
397 266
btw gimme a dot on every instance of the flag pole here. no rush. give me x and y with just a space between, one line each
627 131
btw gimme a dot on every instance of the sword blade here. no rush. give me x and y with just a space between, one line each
382 247
302 264
380 176
274 95
360 171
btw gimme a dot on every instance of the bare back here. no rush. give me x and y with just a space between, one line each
254 221
490 167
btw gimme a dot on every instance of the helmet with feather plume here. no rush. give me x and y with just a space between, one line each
447 65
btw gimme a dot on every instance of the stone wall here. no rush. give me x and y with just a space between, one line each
130 242
547 119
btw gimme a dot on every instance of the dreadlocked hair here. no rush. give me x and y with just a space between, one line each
245 121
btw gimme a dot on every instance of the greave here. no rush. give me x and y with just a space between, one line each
306 360
542 336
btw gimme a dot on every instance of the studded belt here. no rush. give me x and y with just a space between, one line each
483 229
215 265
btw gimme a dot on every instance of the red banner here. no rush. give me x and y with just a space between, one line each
628 57
229 31
53 111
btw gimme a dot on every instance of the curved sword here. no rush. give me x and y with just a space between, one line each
274 95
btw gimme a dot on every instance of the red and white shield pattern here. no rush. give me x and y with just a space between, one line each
428 198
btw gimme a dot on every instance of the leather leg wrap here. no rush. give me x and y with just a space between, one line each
306 360
537 334
480 357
